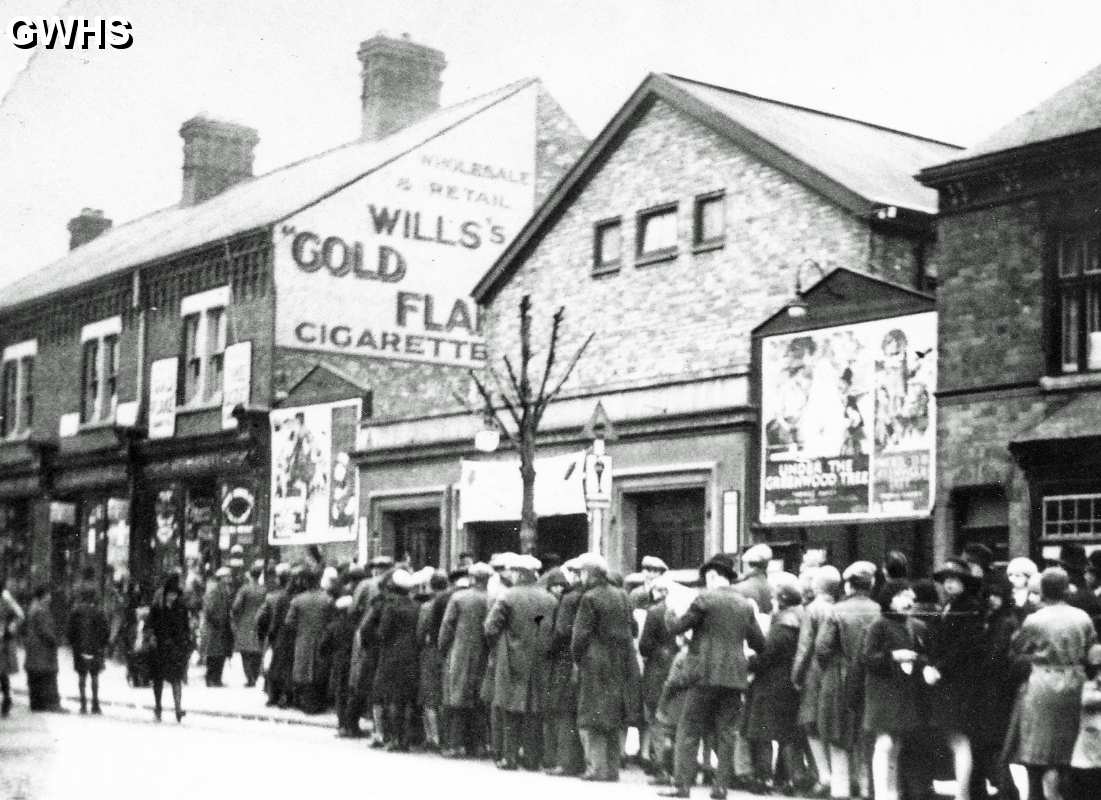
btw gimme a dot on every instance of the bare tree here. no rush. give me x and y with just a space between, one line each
525 405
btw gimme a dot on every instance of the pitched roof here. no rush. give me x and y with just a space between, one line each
252 204
1075 108
858 165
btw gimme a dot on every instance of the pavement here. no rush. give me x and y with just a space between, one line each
233 701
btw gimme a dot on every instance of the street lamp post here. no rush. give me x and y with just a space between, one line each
598 494
798 306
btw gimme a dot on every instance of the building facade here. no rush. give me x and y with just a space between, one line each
680 229
1020 332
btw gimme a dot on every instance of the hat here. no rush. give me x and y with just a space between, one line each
459 572
593 562
1023 566
758 554
343 602
237 563
424 574
722 564
237 550
1072 558
653 562
526 561
979 553
480 570
381 561
865 568
403 579
501 560
957 568
282 568
223 572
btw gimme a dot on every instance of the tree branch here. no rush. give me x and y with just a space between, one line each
540 399
525 353
505 400
569 371
490 411
512 379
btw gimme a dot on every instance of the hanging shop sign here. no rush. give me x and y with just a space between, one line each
313 483
237 381
848 421
163 375
384 267
238 512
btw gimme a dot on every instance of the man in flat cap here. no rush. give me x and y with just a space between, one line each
722 622
462 643
307 618
217 626
519 628
246 638
652 569
269 620
753 584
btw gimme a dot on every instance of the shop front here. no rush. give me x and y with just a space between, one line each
847 434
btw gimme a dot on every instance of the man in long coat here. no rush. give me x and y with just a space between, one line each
217 626
462 644
246 606
361 672
307 618
519 628
40 659
722 622
269 622
566 751
607 668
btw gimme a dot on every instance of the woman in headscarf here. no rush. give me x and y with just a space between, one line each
171 629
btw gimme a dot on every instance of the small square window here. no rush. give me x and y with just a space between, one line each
607 245
657 232
710 220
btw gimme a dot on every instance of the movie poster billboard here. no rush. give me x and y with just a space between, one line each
385 266
848 421
313 482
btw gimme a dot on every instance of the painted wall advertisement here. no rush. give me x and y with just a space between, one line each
848 421
384 267
313 482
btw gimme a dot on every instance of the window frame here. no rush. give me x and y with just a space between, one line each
17 389
98 378
600 265
1077 284
200 353
699 243
662 254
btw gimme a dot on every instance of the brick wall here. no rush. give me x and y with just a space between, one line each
691 315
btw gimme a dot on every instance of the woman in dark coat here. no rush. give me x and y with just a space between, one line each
893 660
89 634
280 684
171 646
773 706
395 684
430 694
564 754
336 648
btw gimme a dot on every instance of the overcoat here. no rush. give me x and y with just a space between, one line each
838 648
519 628
88 635
369 644
462 642
773 700
396 676
336 645
281 638
40 640
1001 678
657 647
892 698
755 587
268 621
609 685
562 685
1087 747
11 617
171 629
307 617
365 590
805 671
246 606
217 627
722 622
955 649
429 620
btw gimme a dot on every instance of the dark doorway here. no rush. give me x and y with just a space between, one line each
670 525
566 535
417 536
487 538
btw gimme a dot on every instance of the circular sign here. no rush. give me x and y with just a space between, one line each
237 506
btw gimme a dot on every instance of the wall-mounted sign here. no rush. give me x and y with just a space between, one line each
492 491
385 267
848 420
237 381
313 481
162 398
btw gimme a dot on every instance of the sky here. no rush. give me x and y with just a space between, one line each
99 129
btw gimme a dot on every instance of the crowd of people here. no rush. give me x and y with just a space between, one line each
827 683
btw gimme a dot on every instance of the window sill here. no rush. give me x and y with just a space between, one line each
1067 383
707 247
96 424
605 269
656 258
195 408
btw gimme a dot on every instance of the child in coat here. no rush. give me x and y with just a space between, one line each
89 634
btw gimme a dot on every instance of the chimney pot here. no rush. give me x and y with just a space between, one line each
400 83
86 226
216 155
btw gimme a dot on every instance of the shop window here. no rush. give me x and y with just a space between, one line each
17 387
656 233
709 220
1078 301
202 346
99 370
607 245
1072 516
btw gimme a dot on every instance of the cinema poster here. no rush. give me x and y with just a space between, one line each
848 421
313 480
385 266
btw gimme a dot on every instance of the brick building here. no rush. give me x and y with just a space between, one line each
154 375
680 229
1019 263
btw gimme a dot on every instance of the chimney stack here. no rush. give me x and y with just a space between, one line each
87 226
217 155
401 83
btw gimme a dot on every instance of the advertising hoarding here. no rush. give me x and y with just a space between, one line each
313 482
848 421
384 267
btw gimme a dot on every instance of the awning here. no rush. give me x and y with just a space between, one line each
491 491
1071 432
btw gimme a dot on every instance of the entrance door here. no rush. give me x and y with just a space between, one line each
487 538
671 525
417 536
566 536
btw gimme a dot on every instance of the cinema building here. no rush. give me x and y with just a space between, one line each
691 220
194 379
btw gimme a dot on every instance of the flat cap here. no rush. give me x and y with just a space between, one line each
653 562
757 554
